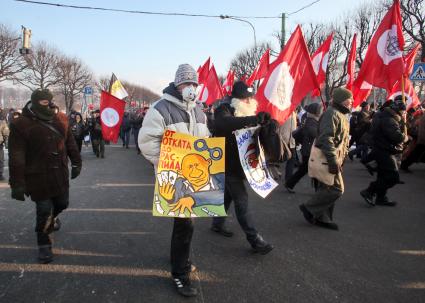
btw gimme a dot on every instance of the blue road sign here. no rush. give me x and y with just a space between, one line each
418 73
88 90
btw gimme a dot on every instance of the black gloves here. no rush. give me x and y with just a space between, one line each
75 171
334 168
263 117
18 193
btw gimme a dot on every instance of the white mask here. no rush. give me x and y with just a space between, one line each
189 93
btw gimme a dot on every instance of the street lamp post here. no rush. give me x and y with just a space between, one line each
245 21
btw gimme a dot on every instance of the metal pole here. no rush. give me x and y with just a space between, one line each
282 39
241 20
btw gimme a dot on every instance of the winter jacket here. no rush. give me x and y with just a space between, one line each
78 130
309 133
126 123
4 132
388 131
333 134
225 124
170 112
95 128
286 129
421 130
136 121
38 156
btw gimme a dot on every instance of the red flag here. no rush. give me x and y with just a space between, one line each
212 88
228 83
409 60
320 62
412 99
351 63
111 113
203 71
290 77
383 65
360 93
262 68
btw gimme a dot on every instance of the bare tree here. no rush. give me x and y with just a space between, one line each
139 93
413 15
103 83
246 61
11 62
72 77
41 68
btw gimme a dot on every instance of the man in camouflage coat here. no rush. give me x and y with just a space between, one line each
333 141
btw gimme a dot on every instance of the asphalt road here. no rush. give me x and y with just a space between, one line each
111 249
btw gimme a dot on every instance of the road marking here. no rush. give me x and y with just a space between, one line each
118 210
97 270
413 285
108 232
124 184
411 252
61 251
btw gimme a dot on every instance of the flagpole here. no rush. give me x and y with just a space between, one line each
402 89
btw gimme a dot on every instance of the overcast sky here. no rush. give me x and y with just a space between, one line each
146 49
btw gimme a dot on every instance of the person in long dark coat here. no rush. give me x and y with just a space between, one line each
40 144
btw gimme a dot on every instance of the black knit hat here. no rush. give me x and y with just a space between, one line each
314 108
364 104
41 94
242 91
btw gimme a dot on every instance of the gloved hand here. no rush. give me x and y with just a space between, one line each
75 171
263 117
18 193
334 168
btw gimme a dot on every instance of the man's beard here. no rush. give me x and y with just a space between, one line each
244 109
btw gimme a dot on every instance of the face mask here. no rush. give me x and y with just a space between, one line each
189 93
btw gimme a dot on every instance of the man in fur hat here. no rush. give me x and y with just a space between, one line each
40 144
239 113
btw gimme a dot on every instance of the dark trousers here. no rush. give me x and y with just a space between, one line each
360 151
47 210
98 147
180 247
136 136
235 190
126 137
1 160
415 156
322 203
301 172
387 176
79 142
290 164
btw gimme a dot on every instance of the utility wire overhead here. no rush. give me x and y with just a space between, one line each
158 13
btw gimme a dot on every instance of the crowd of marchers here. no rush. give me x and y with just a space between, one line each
41 141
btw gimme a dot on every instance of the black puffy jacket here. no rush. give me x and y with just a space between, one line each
388 131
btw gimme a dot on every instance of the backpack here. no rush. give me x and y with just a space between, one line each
275 150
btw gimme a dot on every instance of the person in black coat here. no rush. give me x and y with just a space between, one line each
240 113
95 127
388 135
136 121
308 134
78 129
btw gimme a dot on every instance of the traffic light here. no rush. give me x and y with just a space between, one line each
26 41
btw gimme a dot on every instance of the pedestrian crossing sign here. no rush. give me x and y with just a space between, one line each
418 73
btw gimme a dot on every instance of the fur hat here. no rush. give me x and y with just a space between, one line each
41 94
341 94
241 91
185 74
